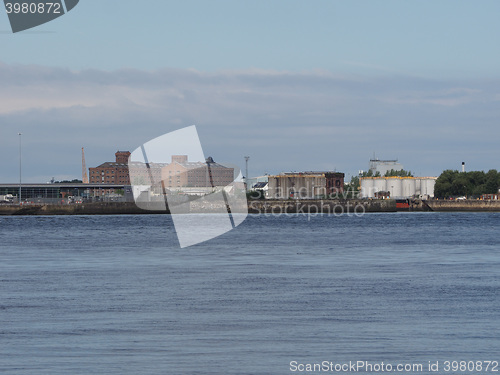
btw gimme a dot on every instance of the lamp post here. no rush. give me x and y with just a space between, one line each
246 172
20 166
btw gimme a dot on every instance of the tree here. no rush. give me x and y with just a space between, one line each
475 183
491 185
442 189
400 173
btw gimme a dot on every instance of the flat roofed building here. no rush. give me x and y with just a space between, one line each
306 185
183 173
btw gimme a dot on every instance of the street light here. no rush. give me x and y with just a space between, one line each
246 172
20 166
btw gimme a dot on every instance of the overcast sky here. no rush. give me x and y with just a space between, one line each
296 85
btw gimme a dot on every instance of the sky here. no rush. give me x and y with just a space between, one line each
295 85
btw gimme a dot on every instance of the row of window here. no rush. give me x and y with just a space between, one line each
112 171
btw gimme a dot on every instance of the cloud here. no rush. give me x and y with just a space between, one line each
452 97
283 120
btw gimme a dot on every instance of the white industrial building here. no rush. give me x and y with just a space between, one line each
398 187
384 166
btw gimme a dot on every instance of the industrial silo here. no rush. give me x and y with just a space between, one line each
379 184
408 186
418 186
366 187
428 186
394 185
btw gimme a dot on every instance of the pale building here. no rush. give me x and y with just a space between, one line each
384 166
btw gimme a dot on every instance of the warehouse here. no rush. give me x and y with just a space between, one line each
305 185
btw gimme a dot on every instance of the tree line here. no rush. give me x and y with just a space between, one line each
452 183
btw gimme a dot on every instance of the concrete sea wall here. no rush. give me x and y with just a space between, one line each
277 207
254 207
108 208
466 205
307 206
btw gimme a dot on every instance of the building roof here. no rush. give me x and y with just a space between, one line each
398 177
109 164
309 174
198 164
151 164
133 164
260 185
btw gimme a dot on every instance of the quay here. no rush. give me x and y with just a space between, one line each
268 207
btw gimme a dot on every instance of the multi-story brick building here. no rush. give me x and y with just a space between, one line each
179 173
112 172
183 173
143 174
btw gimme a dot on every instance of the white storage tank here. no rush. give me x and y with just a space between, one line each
366 185
408 185
428 186
379 184
418 187
394 185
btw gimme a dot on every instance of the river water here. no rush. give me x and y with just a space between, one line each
117 295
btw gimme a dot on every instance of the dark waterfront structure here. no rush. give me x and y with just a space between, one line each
55 191
306 185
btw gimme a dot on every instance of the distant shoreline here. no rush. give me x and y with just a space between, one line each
269 207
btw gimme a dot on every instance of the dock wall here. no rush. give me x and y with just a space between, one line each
466 205
108 208
308 206
305 206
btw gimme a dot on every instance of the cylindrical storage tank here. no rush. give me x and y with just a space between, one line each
394 186
423 186
366 185
408 185
418 186
429 186
379 184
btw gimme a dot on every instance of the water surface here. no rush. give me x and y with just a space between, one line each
116 294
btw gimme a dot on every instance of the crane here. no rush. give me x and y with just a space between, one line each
85 178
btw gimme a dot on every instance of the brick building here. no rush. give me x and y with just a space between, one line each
112 172
306 185
183 173
179 173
